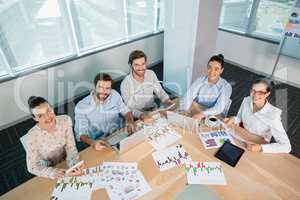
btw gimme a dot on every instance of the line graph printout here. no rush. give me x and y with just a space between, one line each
73 188
205 173
171 157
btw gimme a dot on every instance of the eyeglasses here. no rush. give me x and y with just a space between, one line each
260 93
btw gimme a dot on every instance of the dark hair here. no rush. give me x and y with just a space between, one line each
35 101
218 58
102 77
264 81
135 55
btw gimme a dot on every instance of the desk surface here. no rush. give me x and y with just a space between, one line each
257 175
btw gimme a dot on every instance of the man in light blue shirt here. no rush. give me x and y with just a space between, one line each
98 114
211 92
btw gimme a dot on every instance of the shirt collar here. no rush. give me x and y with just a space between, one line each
265 109
218 83
133 79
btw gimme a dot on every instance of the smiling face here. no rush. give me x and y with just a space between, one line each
139 66
103 90
44 115
214 71
259 93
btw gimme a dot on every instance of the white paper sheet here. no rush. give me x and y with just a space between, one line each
163 137
171 157
73 188
132 189
205 173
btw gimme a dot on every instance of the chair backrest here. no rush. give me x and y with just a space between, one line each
24 141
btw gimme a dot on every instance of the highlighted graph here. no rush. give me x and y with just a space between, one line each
205 173
73 188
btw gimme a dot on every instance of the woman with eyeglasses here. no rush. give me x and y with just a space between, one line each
260 120
50 141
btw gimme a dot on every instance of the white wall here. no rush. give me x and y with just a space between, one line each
190 33
258 56
67 80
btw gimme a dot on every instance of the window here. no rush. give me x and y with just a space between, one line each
34 32
141 16
3 65
271 17
38 33
98 22
161 14
235 14
260 18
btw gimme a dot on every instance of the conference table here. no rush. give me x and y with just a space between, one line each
256 176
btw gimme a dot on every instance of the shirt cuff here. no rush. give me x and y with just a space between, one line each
266 148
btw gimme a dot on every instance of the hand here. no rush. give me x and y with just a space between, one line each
99 145
146 119
59 173
131 128
198 116
168 101
229 121
254 147
78 171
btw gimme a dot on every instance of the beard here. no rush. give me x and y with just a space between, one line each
139 72
101 96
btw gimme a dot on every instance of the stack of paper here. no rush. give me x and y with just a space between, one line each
171 157
159 134
162 137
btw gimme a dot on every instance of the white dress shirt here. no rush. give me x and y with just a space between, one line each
265 123
140 96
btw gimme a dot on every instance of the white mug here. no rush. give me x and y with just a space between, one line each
212 121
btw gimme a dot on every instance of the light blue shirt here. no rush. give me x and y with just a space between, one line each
214 97
97 120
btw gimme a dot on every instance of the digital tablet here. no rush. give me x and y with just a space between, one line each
230 153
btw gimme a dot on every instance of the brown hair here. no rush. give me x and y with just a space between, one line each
218 58
102 77
135 55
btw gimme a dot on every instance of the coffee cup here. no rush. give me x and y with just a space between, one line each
212 121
